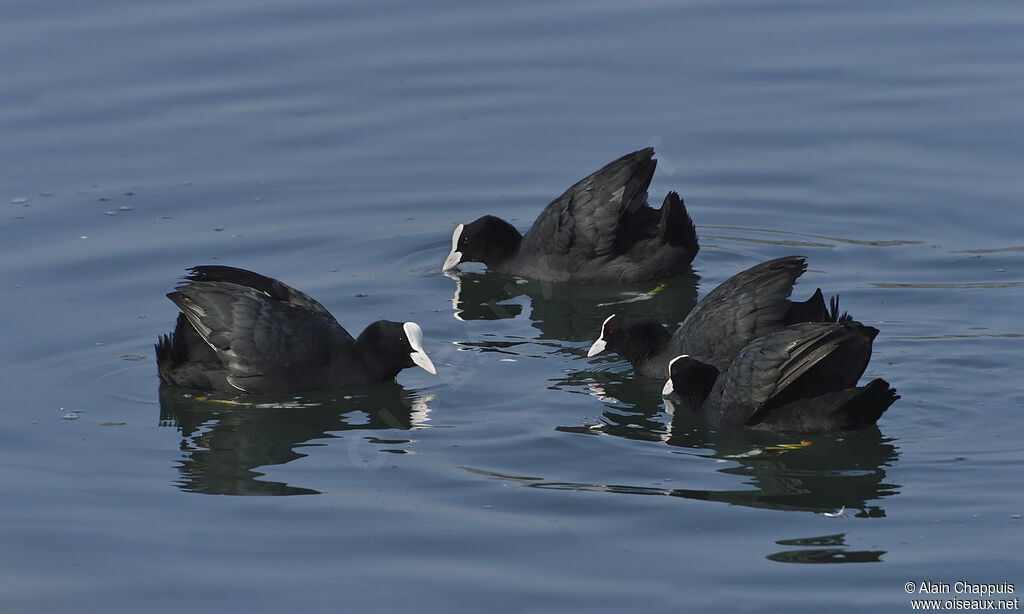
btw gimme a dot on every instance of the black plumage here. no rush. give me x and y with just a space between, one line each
748 305
600 230
800 378
241 331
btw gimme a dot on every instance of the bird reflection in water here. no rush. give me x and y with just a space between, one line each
568 311
225 439
786 471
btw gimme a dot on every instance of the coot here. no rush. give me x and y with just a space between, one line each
599 230
799 378
748 305
240 331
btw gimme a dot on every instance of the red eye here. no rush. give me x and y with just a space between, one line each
401 340
465 240
611 331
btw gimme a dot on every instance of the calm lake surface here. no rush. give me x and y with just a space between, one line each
335 147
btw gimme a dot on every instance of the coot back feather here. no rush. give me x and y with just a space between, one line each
599 230
244 332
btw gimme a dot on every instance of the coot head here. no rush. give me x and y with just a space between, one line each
633 337
490 240
689 377
394 346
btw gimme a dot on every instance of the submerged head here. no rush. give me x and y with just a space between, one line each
490 240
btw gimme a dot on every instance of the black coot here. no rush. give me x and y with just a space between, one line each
745 306
599 230
240 331
800 378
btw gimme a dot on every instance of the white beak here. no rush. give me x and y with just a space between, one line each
421 359
414 334
600 344
455 256
451 261
668 389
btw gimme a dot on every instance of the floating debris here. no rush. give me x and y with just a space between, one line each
634 297
790 446
748 454
19 200
777 448
131 357
112 423
294 404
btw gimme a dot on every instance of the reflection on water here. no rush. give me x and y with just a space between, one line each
224 439
965 285
823 549
635 410
813 473
819 239
570 312
818 474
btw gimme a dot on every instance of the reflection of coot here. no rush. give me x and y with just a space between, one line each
600 230
819 473
823 549
225 439
811 473
567 311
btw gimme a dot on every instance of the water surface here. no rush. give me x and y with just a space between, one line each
336 146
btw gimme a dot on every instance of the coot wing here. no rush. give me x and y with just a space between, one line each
258 334
261 283
744 307
800 361
585 219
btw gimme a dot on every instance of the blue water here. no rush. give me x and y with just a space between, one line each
335 146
